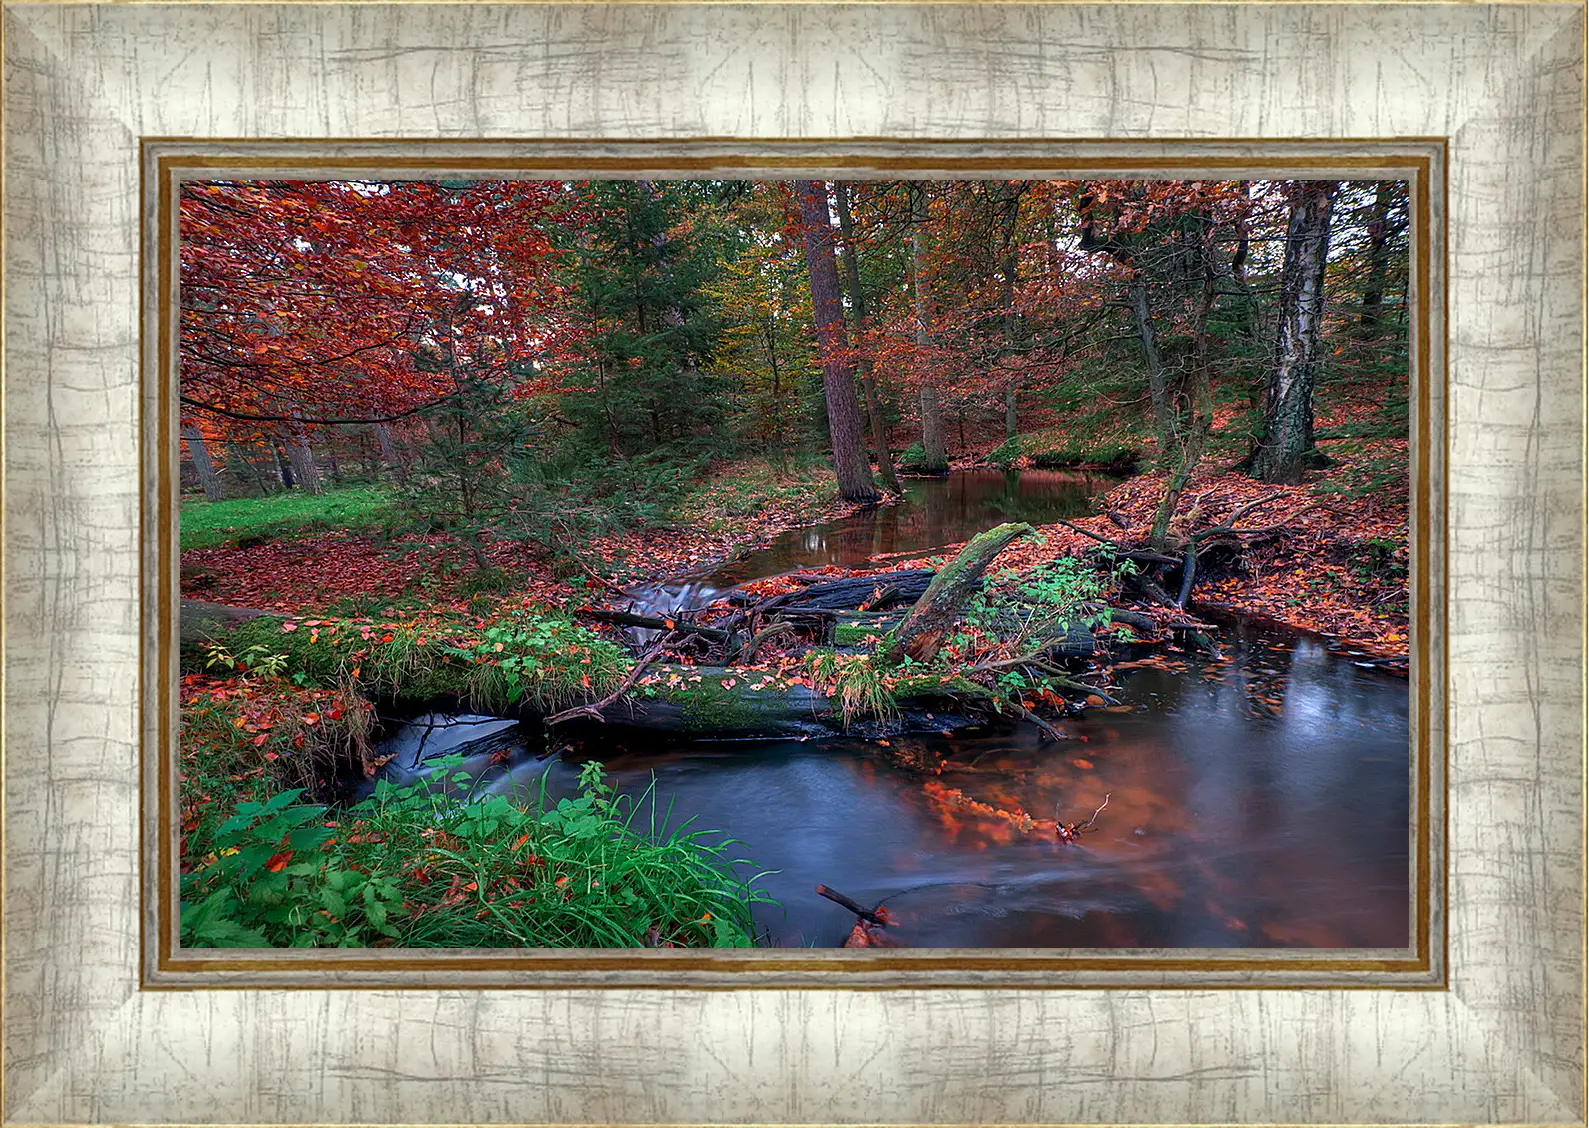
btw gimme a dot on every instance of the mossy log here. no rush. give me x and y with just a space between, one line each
941 605
725 703
201 621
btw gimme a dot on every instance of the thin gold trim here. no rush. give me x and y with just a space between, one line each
914 970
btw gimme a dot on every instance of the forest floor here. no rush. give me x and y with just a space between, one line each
1338 566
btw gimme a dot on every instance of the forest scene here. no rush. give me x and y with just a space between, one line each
842 564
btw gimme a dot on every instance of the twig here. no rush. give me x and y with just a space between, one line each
1089 533
859 910
593 710
1052 732
1088 824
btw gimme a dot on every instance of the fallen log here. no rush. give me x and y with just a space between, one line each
731 703
651 622
849 593
940 606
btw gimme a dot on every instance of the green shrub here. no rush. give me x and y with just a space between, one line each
412 867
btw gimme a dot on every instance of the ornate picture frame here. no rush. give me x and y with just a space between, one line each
104 1023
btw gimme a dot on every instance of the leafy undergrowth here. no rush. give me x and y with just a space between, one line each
211 524
415 867
302 566
518 657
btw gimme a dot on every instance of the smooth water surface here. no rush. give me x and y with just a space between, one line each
1259 800
934 513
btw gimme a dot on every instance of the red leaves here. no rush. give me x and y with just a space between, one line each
312 295
279 861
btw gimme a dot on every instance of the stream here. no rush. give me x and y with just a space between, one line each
1256 800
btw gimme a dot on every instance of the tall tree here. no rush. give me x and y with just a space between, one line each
838 382
202 466
640 262
858 307
935 456
1383 226
1286 435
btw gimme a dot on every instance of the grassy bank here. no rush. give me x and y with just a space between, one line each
411 867
279 710
282 516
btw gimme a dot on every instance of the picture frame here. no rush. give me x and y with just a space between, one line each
1495 1037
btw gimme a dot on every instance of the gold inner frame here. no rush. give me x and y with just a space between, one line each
167 162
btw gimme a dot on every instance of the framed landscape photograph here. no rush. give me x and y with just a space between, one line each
547 543
1063 608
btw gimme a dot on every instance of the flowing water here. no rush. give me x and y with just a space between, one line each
1257 800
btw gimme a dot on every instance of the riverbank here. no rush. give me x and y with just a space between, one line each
278 554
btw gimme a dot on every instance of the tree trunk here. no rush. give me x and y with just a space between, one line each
838 381
302 457
1158 392
852 275
1012 320
283 464
1191 449
389 455
935 456
1287 429
208 478
1368 324
922 633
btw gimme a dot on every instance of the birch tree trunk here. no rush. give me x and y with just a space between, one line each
1287 430
208 478
838 381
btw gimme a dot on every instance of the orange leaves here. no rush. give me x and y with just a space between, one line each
278 862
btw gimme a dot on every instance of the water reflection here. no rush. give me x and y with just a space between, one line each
933 513
1257 801
1228 826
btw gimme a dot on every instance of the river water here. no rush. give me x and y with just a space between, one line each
1257 800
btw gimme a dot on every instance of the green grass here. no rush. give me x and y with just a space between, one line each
211 524
415 867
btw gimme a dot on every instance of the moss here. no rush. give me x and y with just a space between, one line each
915 687
1008 452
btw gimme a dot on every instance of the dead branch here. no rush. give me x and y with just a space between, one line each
593 710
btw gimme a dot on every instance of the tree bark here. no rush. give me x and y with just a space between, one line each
389 455
935 456
838 380
208 478
283 464
922 633
1158 391
852 275
1368 324
302 458
1287 429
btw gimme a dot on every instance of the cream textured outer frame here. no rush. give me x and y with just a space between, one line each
1503 1043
